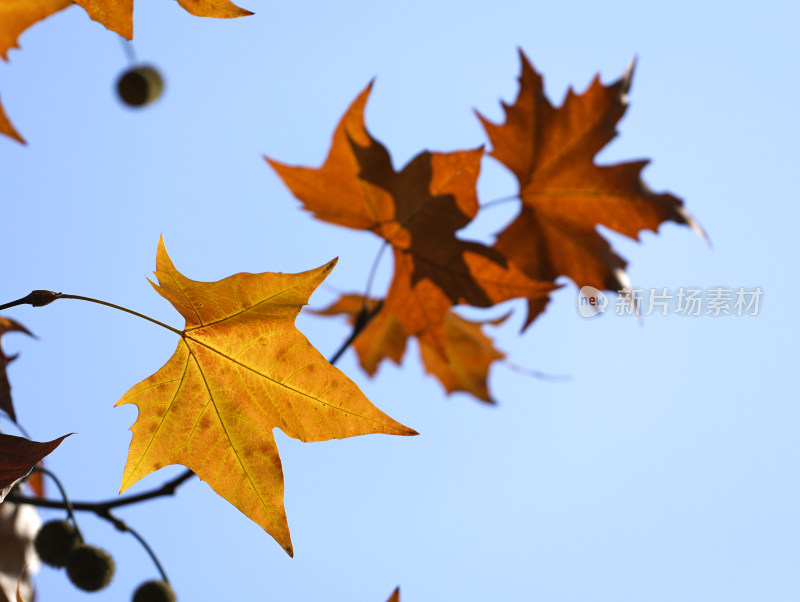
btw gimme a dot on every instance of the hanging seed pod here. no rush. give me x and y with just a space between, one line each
140 86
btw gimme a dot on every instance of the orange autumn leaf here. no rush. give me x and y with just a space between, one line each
17 15
382 338
469 352
7 129
395 597
240 370
117 15
8 325
418 211
217 9
565 195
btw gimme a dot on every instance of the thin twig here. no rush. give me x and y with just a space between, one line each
123 526
373 271
130 52
362 319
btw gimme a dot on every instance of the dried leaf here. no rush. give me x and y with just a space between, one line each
418 211
468 352
117 15
565 195
395 597
8 325
383 337
7 129
241 369
18 456
17 15
219 9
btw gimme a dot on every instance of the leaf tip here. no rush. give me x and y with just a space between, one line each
326 269
690 221
626 79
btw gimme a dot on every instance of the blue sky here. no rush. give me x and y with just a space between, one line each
665 468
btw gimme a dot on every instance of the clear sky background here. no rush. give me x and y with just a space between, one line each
666 468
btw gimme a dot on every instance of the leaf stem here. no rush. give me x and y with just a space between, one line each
39 298
361 322
123 526
373 271
366 314
500 201
120 308
130 52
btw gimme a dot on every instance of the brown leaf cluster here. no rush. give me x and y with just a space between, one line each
418 211
469 353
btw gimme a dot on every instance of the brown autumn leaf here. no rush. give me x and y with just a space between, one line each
469 352
565 195
8 325
418 212
18 456
382 338
117 15
242 369
395 597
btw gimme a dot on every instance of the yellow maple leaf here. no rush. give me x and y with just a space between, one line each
241 369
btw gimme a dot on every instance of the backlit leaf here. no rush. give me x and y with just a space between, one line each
7 129
468 352
565 195
18 456
418 211
17 15
240 370
117 15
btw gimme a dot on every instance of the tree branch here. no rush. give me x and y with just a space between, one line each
362 319
102 508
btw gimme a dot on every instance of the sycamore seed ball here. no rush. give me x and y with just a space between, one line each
154 591
140 86
55 541
90 568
